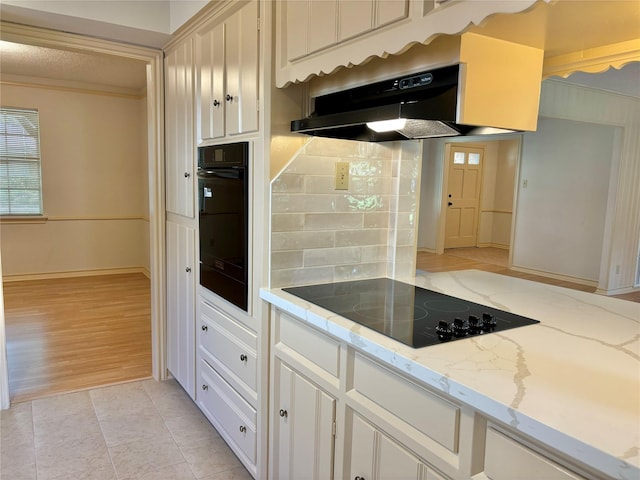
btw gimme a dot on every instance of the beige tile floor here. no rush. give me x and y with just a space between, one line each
143 430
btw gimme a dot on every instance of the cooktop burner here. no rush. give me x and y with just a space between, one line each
412 315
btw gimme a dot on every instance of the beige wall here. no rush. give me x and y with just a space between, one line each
94 183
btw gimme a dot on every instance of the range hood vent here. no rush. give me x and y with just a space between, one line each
420 105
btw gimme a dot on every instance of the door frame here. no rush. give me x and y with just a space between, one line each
155 160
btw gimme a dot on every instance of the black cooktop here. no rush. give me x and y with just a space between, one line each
412 315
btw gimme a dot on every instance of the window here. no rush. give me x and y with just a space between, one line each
20 179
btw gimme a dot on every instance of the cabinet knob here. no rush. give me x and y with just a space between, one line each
243 357
216 103
204 328
243 428
187 174
284 413
205 386
358 477
229 98
188 269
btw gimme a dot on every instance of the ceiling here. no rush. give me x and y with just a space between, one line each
98 70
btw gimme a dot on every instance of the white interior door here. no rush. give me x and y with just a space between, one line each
463 196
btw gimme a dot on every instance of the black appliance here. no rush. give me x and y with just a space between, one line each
426 103
409 314
223 199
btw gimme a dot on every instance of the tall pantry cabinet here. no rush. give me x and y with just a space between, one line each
181 223
214 77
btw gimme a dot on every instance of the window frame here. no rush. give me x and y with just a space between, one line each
11 155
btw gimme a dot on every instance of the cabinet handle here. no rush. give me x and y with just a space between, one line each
284 413
187 174
205 387
229 98
188 269
216 103
243 357
204 328
243 428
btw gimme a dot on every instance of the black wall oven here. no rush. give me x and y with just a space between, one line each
223 198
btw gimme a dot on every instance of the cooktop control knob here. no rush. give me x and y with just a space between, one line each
488 322
474 325
460 327
444 331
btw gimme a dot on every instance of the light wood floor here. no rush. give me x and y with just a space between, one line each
71 334
494 260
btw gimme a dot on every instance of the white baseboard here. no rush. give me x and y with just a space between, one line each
618 291
556 276
426 250
75 273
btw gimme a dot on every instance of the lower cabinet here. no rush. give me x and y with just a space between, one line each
325 415
303 423
372 455
180 300
227 371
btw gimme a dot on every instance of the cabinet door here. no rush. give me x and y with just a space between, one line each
303 420
180 298
180 137
356 17
211 45
241 96
374 456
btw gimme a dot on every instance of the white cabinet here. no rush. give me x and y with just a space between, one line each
317 24
303 427
228 74
180 298
374 456
228 380
179 128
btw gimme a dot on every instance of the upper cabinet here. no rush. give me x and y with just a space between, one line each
316 37
179 125
227 53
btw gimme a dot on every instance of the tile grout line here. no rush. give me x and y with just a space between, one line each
104 438
168 430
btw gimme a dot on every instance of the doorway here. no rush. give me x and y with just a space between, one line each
463 196
153 60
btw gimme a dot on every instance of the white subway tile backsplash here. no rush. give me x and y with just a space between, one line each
301 276
286 259
331 221
289 183
287 222
301 240
375 236
320 234
331 256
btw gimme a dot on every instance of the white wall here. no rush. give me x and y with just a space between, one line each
94 174
561 213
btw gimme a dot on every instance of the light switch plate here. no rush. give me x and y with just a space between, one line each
342 176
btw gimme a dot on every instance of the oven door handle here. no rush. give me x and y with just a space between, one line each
221 173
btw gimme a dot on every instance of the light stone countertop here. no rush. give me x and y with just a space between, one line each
571 382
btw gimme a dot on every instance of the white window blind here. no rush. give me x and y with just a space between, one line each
20 178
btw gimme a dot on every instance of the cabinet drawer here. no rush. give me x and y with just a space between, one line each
508 459
221 403
320 349
424 411
228 347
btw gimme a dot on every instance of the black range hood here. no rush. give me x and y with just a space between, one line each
421 105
